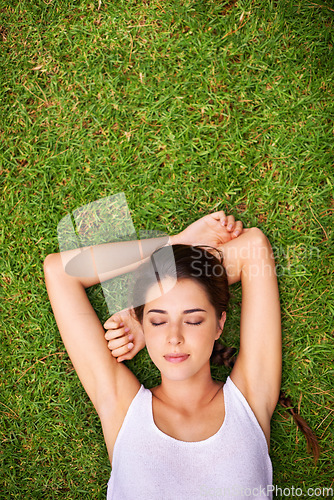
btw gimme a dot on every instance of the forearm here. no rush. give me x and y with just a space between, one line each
102 262
95 264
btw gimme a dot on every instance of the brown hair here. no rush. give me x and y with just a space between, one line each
311 439
205 268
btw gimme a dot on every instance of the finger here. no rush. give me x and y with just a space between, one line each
122 350
113 322
112 325
237 229
126 357
129 355
116 333
121 342
230 222
223 219
218 216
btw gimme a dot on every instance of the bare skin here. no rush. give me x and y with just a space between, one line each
193 394
257 371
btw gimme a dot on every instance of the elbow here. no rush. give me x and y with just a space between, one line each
51 264
258 238
259 248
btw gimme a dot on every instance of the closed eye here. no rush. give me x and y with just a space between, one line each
187 322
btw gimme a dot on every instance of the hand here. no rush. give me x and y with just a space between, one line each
124 334
212 229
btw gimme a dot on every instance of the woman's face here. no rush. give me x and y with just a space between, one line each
180 329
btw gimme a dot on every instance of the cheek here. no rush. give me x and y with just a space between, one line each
152 340
202 340
154 349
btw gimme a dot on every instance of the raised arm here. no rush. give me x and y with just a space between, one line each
257 371
104 380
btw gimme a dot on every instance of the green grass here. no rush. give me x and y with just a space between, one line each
187 107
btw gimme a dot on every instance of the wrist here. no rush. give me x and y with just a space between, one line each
173 240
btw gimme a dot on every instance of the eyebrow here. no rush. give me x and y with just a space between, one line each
187 311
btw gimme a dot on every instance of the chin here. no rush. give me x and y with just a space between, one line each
179 374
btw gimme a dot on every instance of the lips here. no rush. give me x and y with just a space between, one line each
176 357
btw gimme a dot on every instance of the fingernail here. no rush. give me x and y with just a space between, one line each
223 222
130 337
121 324
230 226
130 345
236 233
126 329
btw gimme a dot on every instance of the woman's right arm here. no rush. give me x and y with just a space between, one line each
111 386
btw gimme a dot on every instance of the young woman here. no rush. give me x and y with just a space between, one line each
191 436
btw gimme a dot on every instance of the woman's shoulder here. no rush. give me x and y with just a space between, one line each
255 409
112 416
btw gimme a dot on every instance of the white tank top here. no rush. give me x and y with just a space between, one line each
150 465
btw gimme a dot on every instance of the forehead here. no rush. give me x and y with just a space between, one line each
176 295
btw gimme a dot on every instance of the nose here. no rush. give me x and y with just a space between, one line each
175 335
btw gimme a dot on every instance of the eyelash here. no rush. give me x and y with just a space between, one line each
194 324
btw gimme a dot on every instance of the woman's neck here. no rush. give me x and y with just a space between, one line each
188 395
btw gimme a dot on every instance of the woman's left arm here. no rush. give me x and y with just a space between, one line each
257 371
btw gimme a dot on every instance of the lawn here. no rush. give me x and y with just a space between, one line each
187 107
